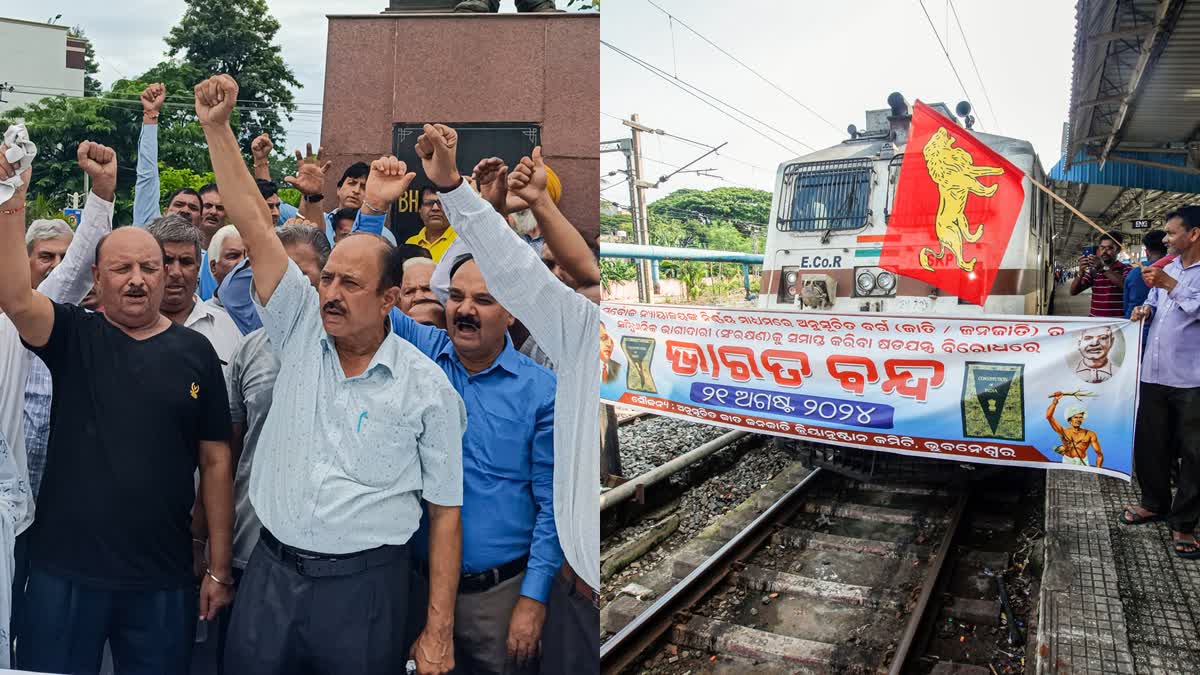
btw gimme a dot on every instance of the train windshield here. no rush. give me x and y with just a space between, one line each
825 196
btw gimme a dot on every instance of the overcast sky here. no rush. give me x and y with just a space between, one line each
838 58
128 37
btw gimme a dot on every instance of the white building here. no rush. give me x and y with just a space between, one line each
39 61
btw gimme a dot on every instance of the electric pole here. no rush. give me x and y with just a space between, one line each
641 222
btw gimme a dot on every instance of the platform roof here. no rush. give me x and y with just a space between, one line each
1132 140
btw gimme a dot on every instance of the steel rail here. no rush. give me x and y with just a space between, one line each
931 578
622 649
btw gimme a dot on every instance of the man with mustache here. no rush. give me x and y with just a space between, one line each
1105 275
417 299
510 546
1167 435
181 259
565 322
138 401
1095 364
252 374
25 421
362 429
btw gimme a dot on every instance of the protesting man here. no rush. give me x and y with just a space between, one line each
1105 275
566 324
1167 434
137 401
436 234
225 251
362 428
417 299
28 430
510 548
310 180
1136 290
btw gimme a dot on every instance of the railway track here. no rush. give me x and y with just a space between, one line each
837 575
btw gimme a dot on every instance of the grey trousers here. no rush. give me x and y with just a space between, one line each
285 622
480 626
571 637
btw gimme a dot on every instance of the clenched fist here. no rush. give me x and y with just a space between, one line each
261 148
438 148
389 178
215 100
99 162
152 99
491 180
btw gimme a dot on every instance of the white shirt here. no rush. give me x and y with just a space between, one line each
213 322
1094 375
67 284
343 462
566 326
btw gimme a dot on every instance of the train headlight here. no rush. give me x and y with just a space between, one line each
791 278
886 281
865 282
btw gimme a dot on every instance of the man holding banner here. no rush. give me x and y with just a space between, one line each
1168 420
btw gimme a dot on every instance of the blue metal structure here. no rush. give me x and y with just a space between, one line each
657 253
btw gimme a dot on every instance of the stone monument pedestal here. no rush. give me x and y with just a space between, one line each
385 71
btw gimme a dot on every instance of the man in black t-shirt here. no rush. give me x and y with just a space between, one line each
139 402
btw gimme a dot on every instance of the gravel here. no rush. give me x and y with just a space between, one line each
723 480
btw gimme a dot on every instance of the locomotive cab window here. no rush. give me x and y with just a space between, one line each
826 196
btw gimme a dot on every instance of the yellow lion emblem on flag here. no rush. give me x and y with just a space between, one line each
954 171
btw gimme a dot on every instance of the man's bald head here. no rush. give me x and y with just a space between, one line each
359 285
129 277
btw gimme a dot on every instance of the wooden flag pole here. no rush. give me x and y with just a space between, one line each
1101 230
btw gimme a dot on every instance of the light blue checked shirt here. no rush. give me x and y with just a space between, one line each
38 391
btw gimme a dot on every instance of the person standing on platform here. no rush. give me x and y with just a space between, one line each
362 428
1167 434
1105 275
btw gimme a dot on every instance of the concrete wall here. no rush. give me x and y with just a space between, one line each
541 68
35 60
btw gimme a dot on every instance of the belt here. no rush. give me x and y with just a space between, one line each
479 582
311 564
581 586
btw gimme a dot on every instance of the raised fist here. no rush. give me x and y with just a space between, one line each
152 98
99 162
261 148
438 147
310 172
389 178
491 180
215 100
527 180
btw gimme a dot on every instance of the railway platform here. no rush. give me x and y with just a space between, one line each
1114 599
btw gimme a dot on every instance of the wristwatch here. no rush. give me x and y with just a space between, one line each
314 198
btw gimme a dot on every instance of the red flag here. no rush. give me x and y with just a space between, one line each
956 203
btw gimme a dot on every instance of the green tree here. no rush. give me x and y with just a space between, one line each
746 208
91 86
237 37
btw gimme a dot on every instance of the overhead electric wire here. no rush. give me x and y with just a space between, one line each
933 28
971 54
744 65
687 88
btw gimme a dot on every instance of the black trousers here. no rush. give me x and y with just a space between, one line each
288 623
66 625
20 576
571 634
1168 432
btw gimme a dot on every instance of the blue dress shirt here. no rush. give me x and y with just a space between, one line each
508 459
1172 349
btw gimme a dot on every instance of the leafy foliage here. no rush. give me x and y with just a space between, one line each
236 37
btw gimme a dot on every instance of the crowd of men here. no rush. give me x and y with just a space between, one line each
1163 292
339 452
